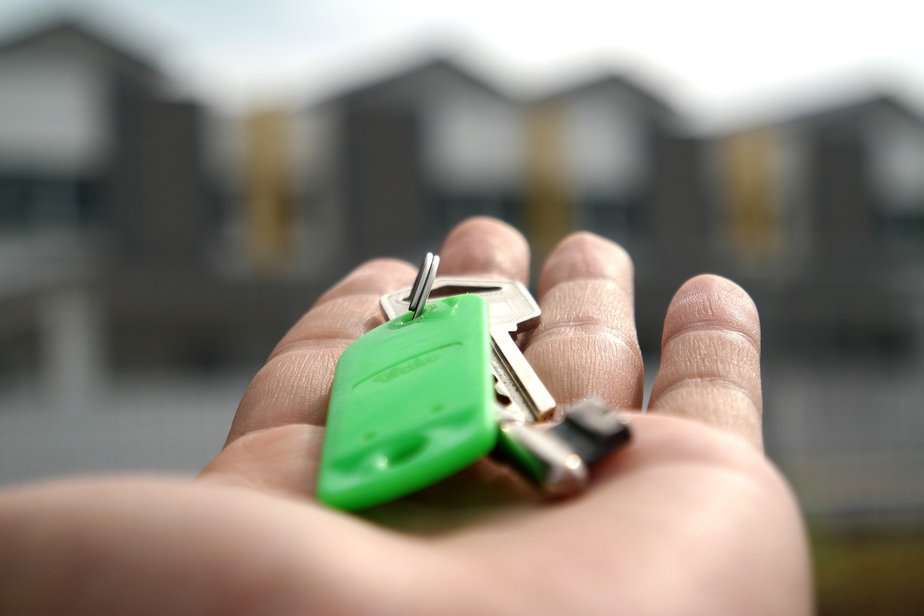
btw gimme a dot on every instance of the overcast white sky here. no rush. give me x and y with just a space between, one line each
713 57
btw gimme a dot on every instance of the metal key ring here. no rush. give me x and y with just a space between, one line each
420 291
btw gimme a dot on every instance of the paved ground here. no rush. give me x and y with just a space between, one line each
164 424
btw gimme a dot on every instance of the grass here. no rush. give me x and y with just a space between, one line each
868 573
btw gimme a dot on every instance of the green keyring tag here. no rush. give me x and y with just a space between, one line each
412 402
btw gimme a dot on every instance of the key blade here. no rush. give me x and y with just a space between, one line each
522 383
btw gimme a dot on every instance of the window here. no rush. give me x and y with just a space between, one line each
37 201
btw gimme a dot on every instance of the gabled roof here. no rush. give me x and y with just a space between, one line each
868 103
608 79
832 109
416 70
87 35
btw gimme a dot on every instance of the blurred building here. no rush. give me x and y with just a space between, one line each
75 109
111 251
827 206
408 155
610 154
65 89
90 138
603 136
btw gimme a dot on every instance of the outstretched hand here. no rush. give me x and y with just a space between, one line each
689 519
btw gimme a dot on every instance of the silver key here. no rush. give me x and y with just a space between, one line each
558 456
523 396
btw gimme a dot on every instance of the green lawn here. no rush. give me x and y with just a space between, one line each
869 573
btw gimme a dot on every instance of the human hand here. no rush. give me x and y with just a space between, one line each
689 519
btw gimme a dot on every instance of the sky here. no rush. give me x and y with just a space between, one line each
715 58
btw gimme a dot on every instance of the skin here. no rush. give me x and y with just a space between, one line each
690 519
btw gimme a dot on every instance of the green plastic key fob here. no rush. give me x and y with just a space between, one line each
412 403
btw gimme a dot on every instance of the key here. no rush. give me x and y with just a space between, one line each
412 402
557 456
553 450
521 393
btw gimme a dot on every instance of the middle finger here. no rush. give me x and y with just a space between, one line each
586 345
293 386
485 247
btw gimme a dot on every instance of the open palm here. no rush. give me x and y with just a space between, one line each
690 519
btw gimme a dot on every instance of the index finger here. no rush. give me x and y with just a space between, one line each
276 435
294 384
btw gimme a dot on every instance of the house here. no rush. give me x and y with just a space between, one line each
391 164
399 160
825 208
108 222
90 139
611 155
63 85
600 140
